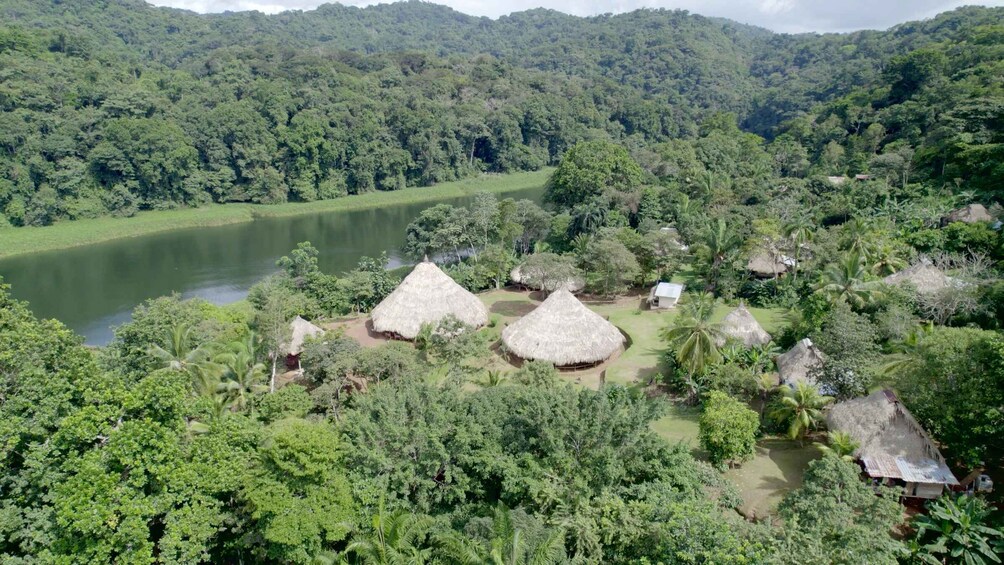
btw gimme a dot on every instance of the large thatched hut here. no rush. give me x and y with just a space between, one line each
564 332
538 281
892 446
924 277
765 265
797 363
426 295
299 331
741 325
969 214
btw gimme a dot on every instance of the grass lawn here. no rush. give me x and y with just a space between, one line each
18 241
776 469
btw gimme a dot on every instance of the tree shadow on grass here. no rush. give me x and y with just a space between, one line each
512 308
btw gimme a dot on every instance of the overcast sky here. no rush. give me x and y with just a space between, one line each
779 15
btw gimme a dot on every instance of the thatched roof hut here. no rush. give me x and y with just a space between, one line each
765 265
741 325
924 276
426 295
533 281
564 332
970 214
795 364
891 443
300 330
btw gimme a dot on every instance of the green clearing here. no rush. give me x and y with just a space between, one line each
779 462
19 241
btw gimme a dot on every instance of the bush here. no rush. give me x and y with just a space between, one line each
290 401
728 429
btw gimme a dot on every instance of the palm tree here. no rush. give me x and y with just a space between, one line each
906 352
179 353
801 406
955 530
885 259
395 539
841 444
800 231
719 241
242 377
694 336
857 237
507 543
846 280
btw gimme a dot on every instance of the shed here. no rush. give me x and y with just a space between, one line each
970 214
767 265
924 277
665 295
299 331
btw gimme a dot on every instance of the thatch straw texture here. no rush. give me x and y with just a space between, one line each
762 264
891 442
795 364
426 295
969 214
532 280
924 276
300 330
564 332
741 325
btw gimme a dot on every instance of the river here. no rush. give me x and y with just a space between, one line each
94 288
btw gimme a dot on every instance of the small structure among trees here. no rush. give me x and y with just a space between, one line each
924 277
299 331
798 363
743 327
426 296
766 266
564 332
547 272
970 214
665 295
893 447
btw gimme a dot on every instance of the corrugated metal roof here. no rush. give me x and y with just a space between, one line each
668 290
882 466
926 471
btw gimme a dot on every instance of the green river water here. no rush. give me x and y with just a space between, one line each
95 287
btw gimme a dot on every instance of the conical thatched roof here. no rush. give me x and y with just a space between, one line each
572 284
426 295
564 332
969 214
741 325
924 276
764 265
891 442
795 364
300 330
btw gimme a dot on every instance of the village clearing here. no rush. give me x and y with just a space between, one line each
779 462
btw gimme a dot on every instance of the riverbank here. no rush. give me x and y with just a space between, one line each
20 241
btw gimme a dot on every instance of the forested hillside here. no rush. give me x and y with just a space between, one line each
113 106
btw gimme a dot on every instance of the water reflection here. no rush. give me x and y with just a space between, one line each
94 288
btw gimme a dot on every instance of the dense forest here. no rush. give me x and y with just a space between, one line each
116 106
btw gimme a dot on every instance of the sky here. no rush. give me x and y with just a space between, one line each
793 16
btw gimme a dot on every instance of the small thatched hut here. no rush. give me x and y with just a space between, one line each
893 447
564 332
764 265
300 330
534 281
426 295
795 364
741 325
970 214
924 276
